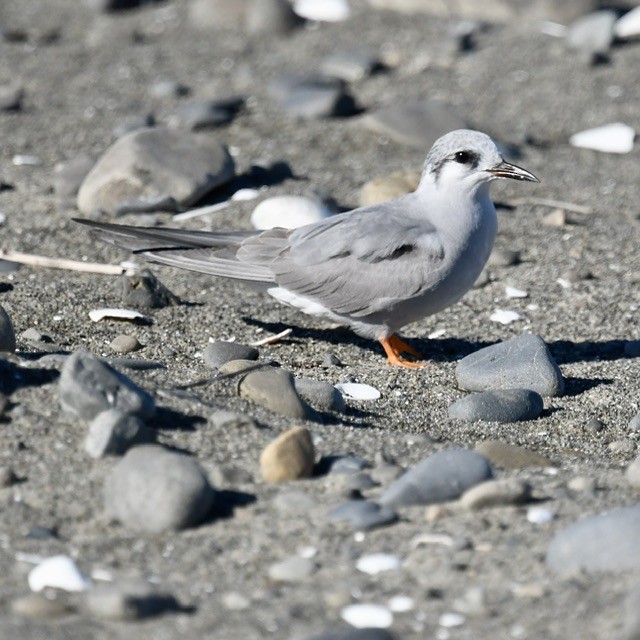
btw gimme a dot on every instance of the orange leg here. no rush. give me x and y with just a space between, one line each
394 347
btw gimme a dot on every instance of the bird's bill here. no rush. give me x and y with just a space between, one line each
507 170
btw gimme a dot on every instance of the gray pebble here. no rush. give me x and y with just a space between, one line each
154 490
206 114
330 360
152 162
293 569
275 389
604 542
594 425
113 433
127 600
88 386
634 423
68 177
346 464
7 333
521 362
501 405
230 420
322 396
11 96
275 17
416 124
363 515
145 291
220 352
349 65
443 476
124 344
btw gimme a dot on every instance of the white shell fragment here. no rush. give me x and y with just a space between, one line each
23 160
540 515
116 314
357 391
245 194
400 604
377 563
513 292
323 10
58 572
504 316
364 616
610 138
628 26
449 620
289 212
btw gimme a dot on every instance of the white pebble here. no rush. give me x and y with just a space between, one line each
245 194
378 562
21 160
628 26
504 316
513 292
115 314
357 391
289 212
400 604
540 515
610 138
59 572
449 620
362 616
438 333
322 10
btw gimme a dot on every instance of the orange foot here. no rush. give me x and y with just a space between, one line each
394 347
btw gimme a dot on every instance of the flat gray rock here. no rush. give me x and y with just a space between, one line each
154 490
156 162
416 124
7 332
88 386
523 362
605 542
113 433
501 405
321 395
443 476
220 352
363 515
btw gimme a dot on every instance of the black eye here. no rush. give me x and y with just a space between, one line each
464 157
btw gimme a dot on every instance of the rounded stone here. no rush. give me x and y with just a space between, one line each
289 457
220 352
124 344
500 405
322 396
154 490
496 493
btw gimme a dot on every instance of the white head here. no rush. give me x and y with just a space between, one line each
468 158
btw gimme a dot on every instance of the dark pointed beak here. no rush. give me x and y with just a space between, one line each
507 170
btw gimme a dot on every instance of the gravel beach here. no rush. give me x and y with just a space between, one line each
178 474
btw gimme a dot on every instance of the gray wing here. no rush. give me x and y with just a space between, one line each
356 263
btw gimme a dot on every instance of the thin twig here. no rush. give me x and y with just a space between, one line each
551 203
272 339
61 263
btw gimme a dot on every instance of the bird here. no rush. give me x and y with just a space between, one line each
374 269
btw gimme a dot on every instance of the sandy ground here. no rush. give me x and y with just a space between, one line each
518 85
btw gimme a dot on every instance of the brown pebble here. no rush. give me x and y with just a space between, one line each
288 457
124 344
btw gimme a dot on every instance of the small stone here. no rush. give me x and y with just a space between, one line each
505 316
349 65
366 615
330 360
503 257
511 456
376 563
291 456
230 420
220 352
634 423
594 425
156 162
521 362
124 344
168 89
206 114
57 572
592 33
145 291
270 17
11 96
363 515
275 390
441 477
622 447
450 620
7 333
322 396
289 212
68 176
155 490
293 569
36 605
345 464
555 218
235 601
604 542
389 187
7 477
472 602
88 386
127 600
401 604
502 405
540 515
416 124
496 493
113 433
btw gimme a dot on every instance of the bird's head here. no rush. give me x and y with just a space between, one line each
470 159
